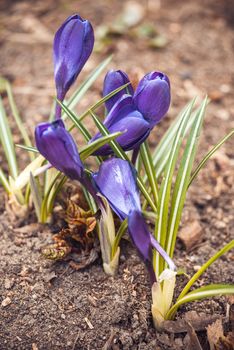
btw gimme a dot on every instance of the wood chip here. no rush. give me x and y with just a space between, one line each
198 322
89 323
214 333
109 342
192 339
92 300
191 235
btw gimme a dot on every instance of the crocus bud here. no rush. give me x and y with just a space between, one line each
114 80
73 44
56 144
152 97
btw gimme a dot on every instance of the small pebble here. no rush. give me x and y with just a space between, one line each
8 284
196 267
6 302
63 316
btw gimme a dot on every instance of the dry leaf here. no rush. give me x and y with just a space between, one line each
217 339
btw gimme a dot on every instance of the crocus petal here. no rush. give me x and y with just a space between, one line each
144 240
114 80
73 44
152 97
117 182
140 236
135 131
56 144
124 117
123 108
161 251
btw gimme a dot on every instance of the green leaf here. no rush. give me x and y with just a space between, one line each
45 203
90 200
123 227
49 200
182 180
149 169
121 154
4 84
209 154
204 267
84 131
7 142
165 189
162 151
211 290
27 148
4 182
36 196
86 151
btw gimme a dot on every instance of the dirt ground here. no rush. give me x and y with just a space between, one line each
47 305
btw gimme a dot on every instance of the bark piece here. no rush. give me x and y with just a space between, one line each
191 235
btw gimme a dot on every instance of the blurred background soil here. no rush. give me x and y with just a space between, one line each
47 305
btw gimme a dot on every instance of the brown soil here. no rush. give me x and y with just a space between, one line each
51 306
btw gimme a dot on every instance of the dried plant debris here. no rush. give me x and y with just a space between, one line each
217 339
76 241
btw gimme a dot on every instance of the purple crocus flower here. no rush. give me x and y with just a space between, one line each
137 114
113 80
126 118
116 180
56 144
73 44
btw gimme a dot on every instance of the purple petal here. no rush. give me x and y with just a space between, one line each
117 182
162 252
140 236
114 80
152 97
73 44
135 131
56 144
124 117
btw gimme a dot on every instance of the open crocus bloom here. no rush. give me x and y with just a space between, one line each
135 113
116 181
73 44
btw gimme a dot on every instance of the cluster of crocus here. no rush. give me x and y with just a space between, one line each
135 113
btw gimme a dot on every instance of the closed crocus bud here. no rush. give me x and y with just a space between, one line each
152 97
114 80
73 44
56 144
126 118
